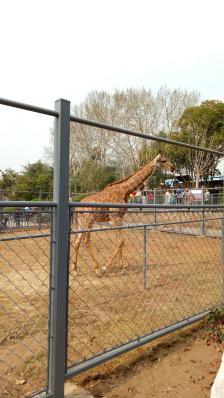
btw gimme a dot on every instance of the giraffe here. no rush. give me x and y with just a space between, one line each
117 192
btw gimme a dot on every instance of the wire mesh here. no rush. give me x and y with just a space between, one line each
24 218
24 289
172 270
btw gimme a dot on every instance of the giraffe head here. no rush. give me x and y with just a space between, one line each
162 163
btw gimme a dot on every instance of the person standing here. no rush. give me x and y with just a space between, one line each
168 197
207 196
188 197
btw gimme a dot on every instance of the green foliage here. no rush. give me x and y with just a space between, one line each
202 126
92 177
79 197
150 152
8 178
36 181
214 324
201 123
144 153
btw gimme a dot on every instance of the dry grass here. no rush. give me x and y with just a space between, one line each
183 278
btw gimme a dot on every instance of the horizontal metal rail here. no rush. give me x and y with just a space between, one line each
140 135
130 226
41 394
14 203
151 211
22 237
142 206
106 126
92 362
28 107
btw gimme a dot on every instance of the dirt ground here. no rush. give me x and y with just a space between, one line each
183 366
178 276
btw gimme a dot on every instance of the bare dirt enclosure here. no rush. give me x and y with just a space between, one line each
180 365
177 275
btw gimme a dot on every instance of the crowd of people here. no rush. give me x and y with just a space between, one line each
178 195
19 215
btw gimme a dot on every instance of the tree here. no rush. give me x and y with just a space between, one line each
139 110
35 182
202 125
8 178
92 177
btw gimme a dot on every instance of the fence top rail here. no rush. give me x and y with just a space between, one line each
28 107
15 203
142 206
105 126
145 136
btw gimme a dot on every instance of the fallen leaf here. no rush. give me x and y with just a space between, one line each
20 382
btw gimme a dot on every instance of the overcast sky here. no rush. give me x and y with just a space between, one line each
65 49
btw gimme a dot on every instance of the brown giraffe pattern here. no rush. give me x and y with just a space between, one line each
117 192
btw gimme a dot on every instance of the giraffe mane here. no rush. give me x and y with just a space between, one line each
126 178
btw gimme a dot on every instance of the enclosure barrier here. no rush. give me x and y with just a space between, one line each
46 309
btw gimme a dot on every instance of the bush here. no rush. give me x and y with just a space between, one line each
79 197
215 328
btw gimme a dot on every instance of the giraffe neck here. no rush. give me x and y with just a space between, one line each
136 179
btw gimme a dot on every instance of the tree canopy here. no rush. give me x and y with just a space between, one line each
34 182
98 157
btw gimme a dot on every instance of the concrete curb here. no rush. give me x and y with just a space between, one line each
217 390
72 390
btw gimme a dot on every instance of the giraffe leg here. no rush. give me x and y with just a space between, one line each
85 237
91 251
118 253
83 222
74 257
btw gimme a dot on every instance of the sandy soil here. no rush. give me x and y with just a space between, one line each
183 278
183 366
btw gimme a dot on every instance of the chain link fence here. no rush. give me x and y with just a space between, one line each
75 295
23 218
24 305
176 196
170 272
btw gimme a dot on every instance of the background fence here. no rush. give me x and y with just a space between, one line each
56 323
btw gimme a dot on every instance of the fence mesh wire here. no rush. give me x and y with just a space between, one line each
24 286
172 270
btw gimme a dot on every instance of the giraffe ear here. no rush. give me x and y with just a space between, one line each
159 157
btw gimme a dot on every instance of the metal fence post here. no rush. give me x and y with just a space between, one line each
1 210
222 257
59 282
203 211
145 259
154 202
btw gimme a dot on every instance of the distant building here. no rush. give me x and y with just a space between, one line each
183 179
212 181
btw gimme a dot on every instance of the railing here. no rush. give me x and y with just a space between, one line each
169 277
51 329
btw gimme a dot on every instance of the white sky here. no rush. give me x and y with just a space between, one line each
65 49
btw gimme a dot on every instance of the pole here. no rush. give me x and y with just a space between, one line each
203 212
59 278
145 259
222 258
154 202
1 210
